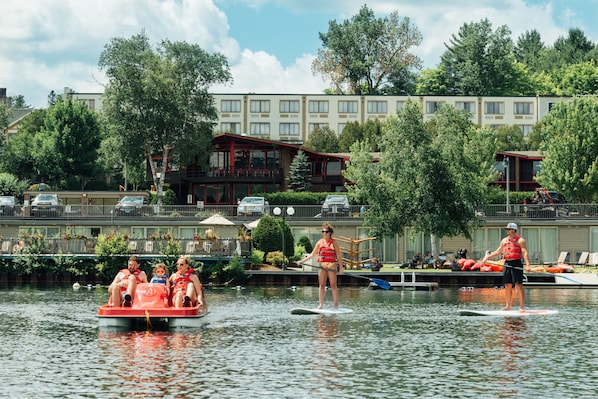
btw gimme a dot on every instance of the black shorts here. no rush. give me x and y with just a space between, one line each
513 272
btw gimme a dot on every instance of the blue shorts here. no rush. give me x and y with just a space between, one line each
514 273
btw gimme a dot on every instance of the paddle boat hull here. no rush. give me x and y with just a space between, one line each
150 309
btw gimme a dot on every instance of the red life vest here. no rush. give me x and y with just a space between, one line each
512 249
127 273
182 280
327 254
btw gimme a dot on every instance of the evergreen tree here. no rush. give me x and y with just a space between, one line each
299 173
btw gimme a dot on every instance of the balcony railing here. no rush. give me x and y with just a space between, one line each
302 213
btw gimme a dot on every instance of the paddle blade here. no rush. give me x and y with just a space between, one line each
385 285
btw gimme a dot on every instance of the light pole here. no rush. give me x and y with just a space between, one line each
278 212
505 164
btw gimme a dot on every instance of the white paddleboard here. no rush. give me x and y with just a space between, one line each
320 311
508 313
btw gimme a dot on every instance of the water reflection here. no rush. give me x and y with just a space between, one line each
395 344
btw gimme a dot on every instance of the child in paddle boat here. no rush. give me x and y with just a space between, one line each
186 287
122 289
160 276
331 262
513 248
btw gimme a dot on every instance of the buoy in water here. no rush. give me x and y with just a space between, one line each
76 286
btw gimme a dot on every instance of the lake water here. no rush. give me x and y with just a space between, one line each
396 344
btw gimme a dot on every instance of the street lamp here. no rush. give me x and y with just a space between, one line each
505 165
278 212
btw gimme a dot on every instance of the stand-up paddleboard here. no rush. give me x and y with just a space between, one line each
320 311
507 313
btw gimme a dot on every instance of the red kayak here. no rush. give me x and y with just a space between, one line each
150 308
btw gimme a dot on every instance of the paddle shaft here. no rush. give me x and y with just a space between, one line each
379 282
544 272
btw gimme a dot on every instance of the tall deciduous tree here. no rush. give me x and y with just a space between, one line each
71 138
430 177
570 149
158 101
360 55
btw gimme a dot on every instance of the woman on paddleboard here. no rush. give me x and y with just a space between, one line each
331 263
513 248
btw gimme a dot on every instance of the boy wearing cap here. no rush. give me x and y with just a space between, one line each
513 249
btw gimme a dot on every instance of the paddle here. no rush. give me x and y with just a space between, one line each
544 272
385 285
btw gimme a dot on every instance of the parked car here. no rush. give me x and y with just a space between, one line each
253 206
336 204
546 205
8 205
46 205
131 206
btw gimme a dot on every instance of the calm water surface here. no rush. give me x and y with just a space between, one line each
396 344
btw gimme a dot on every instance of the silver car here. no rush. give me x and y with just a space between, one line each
253 206
336 204
46 205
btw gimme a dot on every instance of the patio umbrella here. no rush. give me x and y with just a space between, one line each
251 225
216 220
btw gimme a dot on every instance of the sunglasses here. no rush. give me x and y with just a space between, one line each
325 231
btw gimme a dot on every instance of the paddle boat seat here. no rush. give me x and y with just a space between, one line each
148 295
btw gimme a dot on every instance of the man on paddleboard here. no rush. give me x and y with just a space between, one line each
513 248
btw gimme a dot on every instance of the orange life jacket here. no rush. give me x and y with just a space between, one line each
512 250
127 273
327 254
182 280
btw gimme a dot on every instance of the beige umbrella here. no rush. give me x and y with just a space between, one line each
251 225
216 220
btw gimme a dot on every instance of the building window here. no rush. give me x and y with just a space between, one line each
347 107
259 129
341 127
289 106
525 129
400 105
231 106
377 107
494 108
231 127
257 106
524 108
289 129
465 106
318 107
432 106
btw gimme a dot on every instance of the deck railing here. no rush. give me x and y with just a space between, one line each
302 212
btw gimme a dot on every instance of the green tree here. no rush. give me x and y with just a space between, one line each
158 101
571 49
372 133
480 62
267 236
360 55
578 79
352 132
19 152
299 173
70 142
11 185
322 139
569 146
430 176
530 49
509 138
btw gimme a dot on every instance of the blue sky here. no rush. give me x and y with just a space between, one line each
47 45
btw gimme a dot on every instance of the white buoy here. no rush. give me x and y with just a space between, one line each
76 286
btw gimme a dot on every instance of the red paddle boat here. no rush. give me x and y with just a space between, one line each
151 308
